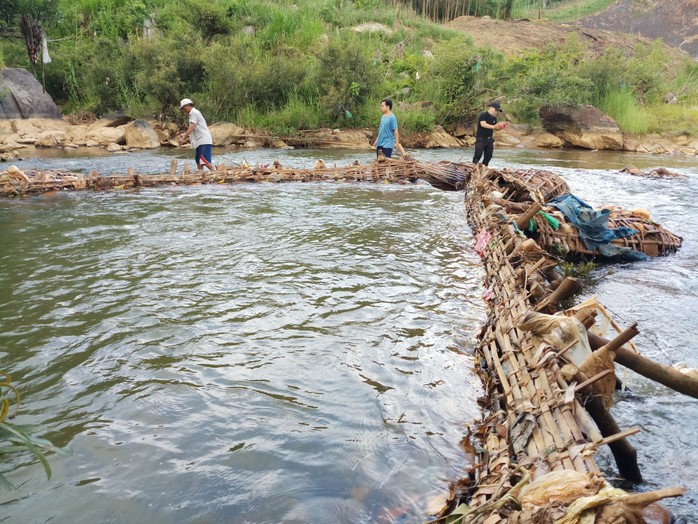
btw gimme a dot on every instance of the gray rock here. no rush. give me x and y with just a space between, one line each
584 126
140 134
21 96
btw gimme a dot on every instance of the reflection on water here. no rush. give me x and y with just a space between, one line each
294 352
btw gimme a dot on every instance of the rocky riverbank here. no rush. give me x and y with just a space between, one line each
30 121
23 138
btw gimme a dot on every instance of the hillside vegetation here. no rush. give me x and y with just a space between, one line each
285 66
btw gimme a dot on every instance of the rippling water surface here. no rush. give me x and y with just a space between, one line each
294 352
258 353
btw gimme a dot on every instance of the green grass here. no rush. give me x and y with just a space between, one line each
415 120
562 12
302 66
672 118
622 106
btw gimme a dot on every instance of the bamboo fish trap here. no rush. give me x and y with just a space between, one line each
651 238
547 401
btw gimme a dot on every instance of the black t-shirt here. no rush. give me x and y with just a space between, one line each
482 132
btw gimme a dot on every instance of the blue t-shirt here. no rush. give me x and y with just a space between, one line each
386 131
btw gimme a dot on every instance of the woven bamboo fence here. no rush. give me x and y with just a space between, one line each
546 409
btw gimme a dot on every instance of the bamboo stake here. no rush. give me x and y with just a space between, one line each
568 287
623 452
522 220
666 375
618 436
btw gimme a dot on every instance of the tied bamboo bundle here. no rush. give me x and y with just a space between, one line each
445 176
16 182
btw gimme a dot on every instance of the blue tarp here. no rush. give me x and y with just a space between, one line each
593 227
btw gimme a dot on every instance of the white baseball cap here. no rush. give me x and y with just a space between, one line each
185 102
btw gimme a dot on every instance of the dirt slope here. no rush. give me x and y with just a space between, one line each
674 21
512 37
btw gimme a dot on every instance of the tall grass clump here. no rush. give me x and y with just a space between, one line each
282 27
19 439
347 14
296 114
622 106
685 85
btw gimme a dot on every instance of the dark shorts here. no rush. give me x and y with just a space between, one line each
387 153
203 151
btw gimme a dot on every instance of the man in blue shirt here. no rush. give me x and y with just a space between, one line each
388 135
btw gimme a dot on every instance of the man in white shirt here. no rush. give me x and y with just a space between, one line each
201 138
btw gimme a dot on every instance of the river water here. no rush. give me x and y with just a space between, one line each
293 352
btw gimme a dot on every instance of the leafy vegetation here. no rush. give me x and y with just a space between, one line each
284 66
18 439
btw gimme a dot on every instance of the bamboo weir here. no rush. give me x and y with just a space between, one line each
547 366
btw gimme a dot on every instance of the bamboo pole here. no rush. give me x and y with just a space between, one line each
567 288
666 375
623 452
522 220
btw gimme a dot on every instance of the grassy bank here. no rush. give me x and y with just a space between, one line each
288 66
559 11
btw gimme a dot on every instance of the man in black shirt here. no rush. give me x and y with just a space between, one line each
486 125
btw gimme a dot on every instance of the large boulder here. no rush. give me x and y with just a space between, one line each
545 139
21 96
103 133
439 138
583 126
52 139
225 134
140 134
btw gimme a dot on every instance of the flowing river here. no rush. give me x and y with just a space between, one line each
296 353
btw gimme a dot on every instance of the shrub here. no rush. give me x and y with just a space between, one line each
296 114
466 78
205 18
346 77
416 120
241 74
685 85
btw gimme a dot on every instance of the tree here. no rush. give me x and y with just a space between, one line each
12 10
22 19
